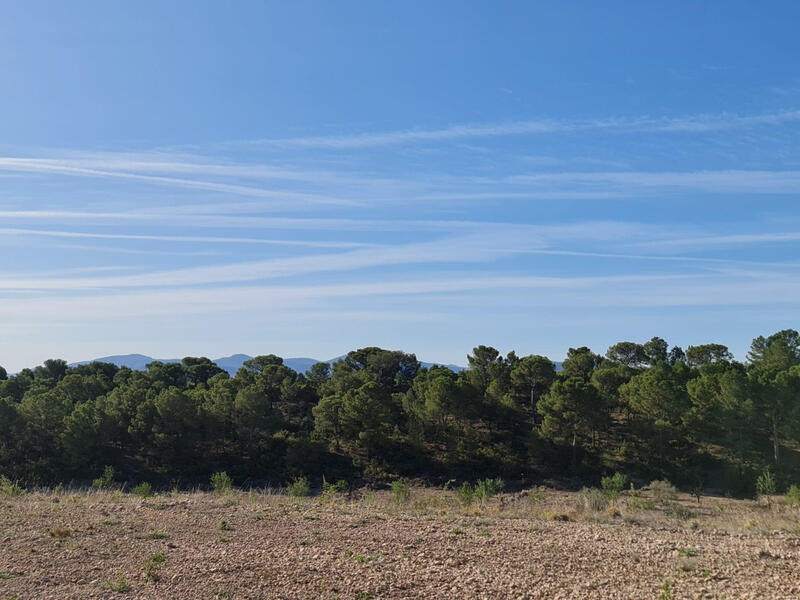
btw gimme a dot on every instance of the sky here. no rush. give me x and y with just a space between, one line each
304 178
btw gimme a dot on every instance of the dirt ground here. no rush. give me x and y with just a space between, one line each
540 544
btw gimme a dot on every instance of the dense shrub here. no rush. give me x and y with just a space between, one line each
221 483
793 495
298 488
105 481
401 493
10 488
614 484
331 490
466 494
143 490
486 489
765 484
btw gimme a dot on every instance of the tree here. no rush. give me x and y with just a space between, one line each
80 437
17 385
318 374
256 365
392 369
658 397
361 418
627 353
3 374
218 408
721 410
777 395
169 423
781 350
676 355
43 416
571 411
254 417
366 412
53 368
12 449
609 378
531 378
485 366
775 368
166 375
328 420
656 351
200 370
580 362
697 356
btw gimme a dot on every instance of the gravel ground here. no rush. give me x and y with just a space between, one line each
102 545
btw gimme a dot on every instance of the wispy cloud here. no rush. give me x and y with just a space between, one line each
613 292
466 249
717 181
692 123
651 257
287 297
180 239
478 244
728 240
58 167
610 229
173 162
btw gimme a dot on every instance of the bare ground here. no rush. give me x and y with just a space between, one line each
258 545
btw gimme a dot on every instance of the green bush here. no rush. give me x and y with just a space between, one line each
331 490
143 490
152 566
793 495
400 492
105 481
120 585
466 494
221 482
485 489
765 484
298 488
10 488
614 484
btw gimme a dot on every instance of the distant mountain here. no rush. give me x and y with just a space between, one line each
231 364
301 365
455 368
137 362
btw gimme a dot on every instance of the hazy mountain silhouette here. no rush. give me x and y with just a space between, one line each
231 364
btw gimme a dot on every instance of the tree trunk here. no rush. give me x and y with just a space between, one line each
574 448
775 444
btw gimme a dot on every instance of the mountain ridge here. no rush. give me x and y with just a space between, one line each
230 364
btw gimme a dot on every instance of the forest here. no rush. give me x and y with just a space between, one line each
696 417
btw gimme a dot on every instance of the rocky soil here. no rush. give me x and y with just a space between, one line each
199 545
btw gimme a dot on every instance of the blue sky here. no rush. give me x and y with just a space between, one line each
305 178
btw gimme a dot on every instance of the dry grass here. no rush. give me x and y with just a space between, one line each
537 544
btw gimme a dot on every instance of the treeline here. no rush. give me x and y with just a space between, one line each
697 417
